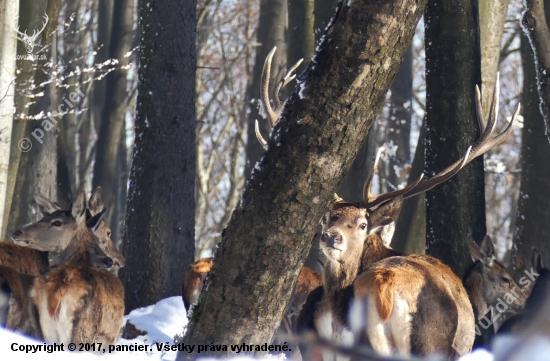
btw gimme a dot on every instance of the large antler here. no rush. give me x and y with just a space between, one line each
481 146
272 114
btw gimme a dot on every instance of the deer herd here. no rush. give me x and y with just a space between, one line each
55 282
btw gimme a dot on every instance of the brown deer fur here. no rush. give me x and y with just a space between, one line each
75 302
22 314
193 281
407 297
22 259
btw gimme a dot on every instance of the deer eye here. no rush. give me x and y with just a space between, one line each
505 280
109 234
57 224
363 226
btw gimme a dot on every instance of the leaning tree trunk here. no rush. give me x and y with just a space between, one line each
159 235
456 209
317 139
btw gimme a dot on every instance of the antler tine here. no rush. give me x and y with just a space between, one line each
480 147
493 114
282 83
272 114
259 135
479 111
367 195
264 88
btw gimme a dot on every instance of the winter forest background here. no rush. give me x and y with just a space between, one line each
163 121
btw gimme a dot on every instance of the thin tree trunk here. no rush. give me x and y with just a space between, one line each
33 16
301 43
270 232
66 140
8 52
455 209
534 23
492 16
106 169
410 227
533 220
37 168
400 121
159 232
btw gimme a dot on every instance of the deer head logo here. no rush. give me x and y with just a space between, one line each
29 40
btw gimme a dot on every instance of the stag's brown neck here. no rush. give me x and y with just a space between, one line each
374 251
338 277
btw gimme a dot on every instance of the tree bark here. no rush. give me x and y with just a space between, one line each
533 221
24 92
316 141
400 120
37 168
456 208
271 32
534 23
492 16
8 51
410 227
301 37
159 235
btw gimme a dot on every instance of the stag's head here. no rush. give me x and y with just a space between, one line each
345 226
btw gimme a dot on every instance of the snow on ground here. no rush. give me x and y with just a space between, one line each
167 318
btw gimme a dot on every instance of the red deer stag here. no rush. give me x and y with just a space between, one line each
76 303
415 303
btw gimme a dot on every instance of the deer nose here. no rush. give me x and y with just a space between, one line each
329 238
108 262
16 234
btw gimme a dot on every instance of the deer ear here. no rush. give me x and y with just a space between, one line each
475 252
95 204
536 261
483 253
385 214
78 207
94 222
46 205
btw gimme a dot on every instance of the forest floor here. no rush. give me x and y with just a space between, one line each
159 324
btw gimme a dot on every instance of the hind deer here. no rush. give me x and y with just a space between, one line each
414 304
535 317
19 265
75 302
491 290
